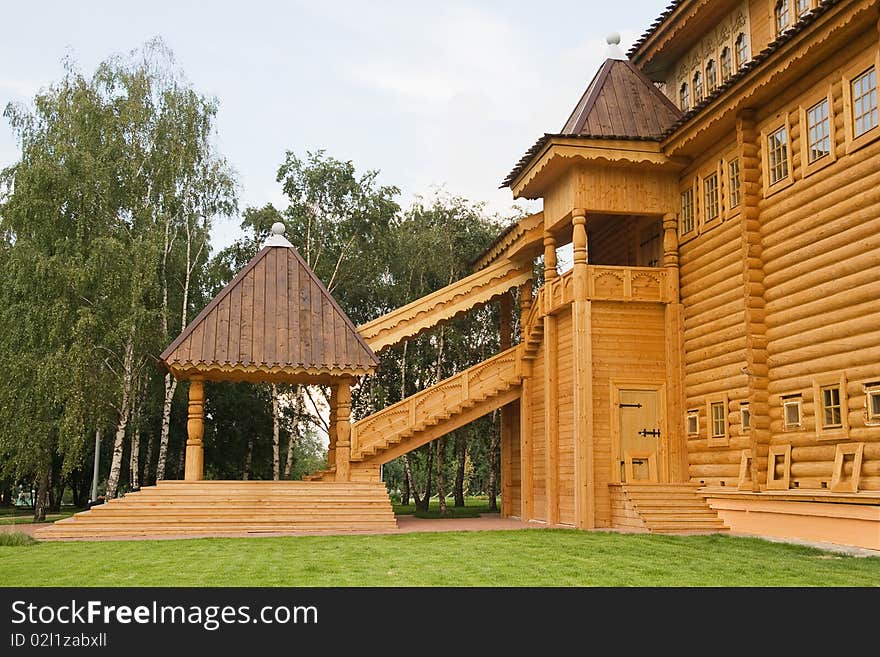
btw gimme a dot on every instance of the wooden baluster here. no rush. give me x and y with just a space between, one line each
505 321
194 466
675 466
551 380
331 428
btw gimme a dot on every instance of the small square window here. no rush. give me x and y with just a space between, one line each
791 412
745 417
693 423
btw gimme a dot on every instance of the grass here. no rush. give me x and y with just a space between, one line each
473 507
530 557
26 517
16 539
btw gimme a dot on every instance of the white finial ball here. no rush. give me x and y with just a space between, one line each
278 228
613 39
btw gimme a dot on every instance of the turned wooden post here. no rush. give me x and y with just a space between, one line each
343 430
331 427
505 325
551 392
194 468
582 348
677 462
525 414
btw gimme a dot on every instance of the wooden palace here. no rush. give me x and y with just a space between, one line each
710 362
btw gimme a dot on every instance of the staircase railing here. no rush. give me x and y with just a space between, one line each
480 381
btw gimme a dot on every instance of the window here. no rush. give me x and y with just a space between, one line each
710 196
783 15
711 77
742 50
698 87
872 403
726 65
864 99
777 152
719 420
733 172
745 417
684 96
687 211
803 8
819 131
791 412
831 412
693 423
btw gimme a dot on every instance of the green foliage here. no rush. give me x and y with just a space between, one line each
529 557
16 539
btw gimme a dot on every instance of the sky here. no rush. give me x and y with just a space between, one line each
435 95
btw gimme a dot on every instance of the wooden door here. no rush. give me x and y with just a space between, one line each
639 435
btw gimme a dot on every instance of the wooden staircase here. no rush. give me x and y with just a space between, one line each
432 413
663 509
212 508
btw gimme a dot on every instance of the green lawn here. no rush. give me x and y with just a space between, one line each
473 507
26 517
531 557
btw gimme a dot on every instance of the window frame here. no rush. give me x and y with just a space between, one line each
740 62
872 390
707 218
796 400
745 412
711 81
697 87
852 72
780 123
777 16
693 212
820 384
693 414
809 168
684 97
728 51
714 439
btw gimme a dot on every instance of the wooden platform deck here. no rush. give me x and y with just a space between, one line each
213 508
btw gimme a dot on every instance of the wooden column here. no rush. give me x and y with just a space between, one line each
753 295
526 444
331 427
676 463
505 325
551 392
194 467
343 430
582 350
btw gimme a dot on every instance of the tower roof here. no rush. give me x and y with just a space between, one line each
275 321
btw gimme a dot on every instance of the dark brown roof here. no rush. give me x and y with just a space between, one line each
654 27
621 101
274 317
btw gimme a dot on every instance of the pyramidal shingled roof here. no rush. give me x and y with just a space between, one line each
620 103
274 318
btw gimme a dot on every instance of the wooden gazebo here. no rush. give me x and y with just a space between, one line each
275 322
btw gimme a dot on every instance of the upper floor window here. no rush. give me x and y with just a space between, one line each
742 50
726 65
783 15
687 211
733 170
684 96
698 87
711 76
710 193
803 8
864 99
818 131
777 155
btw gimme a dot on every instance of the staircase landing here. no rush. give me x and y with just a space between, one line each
218 508
663 509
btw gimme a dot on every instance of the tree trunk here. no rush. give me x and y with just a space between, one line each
170 388
276 431
493 464
405 492
294 434
134 465
148 458
424 503
248 458
42 498
441 477
124 412
461 455
407 467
